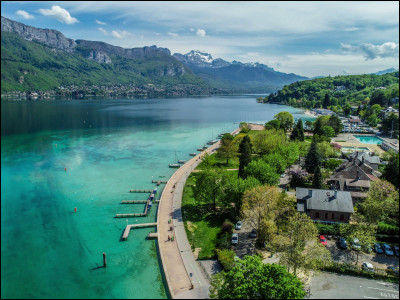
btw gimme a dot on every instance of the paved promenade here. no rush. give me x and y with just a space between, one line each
184 276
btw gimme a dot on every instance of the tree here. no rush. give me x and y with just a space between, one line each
365 233
300 129
313 159
289 151
295 134
327 101
381 203
235 189
210 186
262 171
326 150
285 118
299 246
335 122
277 161
378 97
391 123
266 141
250 278
260 208
391 170
318 126
245 149
227 149
273 124
317 179
328 131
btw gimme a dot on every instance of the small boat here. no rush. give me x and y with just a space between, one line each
210 142
181 161
174 165
193 154
205 147
149 204
200 149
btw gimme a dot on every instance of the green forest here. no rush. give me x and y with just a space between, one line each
339 91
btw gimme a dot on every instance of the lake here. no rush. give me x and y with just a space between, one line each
87 154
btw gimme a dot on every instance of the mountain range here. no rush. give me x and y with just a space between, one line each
41 59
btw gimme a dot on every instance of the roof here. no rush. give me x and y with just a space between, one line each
358 183
325 200
372 159
348 170
358 195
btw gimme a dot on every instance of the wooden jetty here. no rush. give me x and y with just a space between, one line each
133 201
140 191
129 227
152 235
158 182
130 215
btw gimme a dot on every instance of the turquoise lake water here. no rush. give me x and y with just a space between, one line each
369 139
107 147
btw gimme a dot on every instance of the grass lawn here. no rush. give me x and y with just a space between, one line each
221 163
202 225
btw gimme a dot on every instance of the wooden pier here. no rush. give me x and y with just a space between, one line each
158 182
140 191
152 235
133 201
129 227
130 215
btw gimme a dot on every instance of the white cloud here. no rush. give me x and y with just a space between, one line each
100 23
172 34
103 31
201 32
371 51
119 33
25 14
59 13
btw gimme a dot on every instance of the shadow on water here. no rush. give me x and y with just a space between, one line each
96 268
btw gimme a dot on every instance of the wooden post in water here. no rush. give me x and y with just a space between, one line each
104 260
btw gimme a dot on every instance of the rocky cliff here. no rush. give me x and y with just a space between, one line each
50 37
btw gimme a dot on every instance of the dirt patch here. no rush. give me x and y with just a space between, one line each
196 253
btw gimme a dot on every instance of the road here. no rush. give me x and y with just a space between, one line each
337 286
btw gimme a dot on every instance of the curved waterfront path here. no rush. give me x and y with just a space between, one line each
184 277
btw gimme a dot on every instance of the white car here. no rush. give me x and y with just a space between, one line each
366 266
283 175
235 238
238 225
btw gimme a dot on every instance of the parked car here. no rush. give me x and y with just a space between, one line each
342 243
387 249
378 248
366 266
235 238
393 271
283 175
396 250
355 244
322 239
253 233
238 225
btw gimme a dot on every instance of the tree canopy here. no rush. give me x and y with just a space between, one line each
250 278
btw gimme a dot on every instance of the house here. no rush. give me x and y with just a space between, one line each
325 206
366 158
386 112
355 175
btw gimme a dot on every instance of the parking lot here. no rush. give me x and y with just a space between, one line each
379 261
245 245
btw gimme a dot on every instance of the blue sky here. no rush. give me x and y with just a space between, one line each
305 38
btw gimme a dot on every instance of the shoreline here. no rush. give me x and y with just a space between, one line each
178 262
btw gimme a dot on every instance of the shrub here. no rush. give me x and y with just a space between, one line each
226 258
227 227
328 229
224 240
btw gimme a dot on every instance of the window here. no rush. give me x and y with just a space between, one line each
317 215
341 217
333 216
326 216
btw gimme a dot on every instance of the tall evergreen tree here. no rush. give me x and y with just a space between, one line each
301 129
295 134
327 101
317 180
318 126
313 158
245 149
